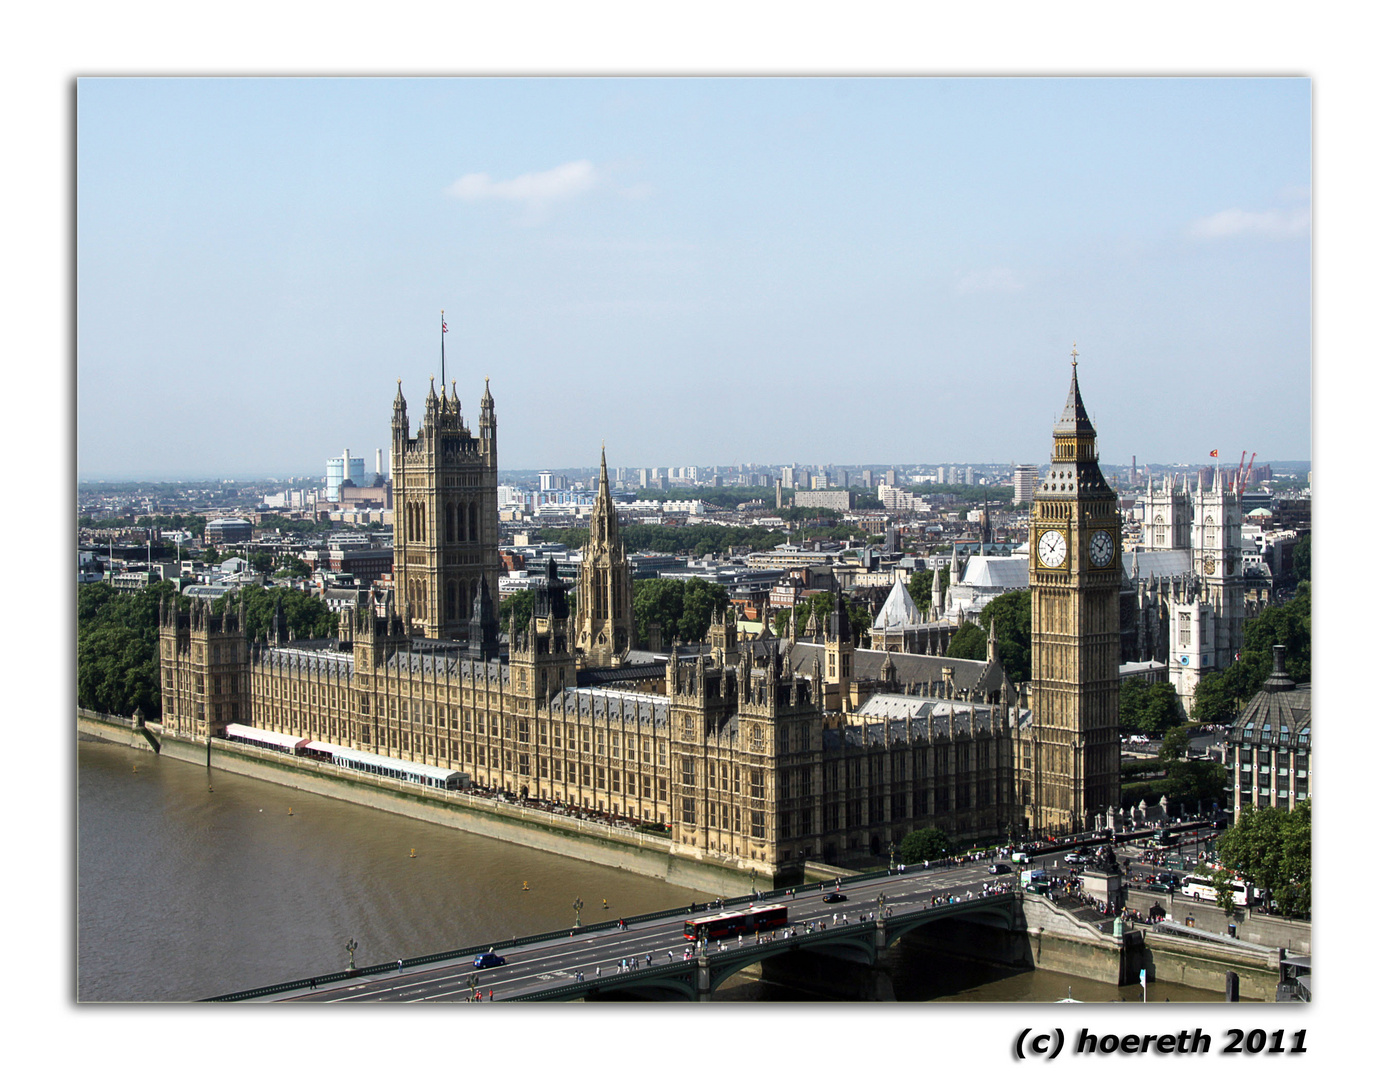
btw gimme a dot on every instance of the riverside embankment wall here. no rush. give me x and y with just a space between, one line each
605 845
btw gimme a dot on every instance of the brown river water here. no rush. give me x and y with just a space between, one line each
185 892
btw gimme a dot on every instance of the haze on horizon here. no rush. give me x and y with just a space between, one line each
696 271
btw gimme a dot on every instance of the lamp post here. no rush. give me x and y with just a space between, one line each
882 900
891 855
351 948
578 907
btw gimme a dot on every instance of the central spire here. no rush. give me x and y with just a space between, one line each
1074 419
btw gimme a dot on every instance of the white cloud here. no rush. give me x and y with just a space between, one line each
1275 224
537 191
995 279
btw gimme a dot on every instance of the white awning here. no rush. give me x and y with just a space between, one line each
260 735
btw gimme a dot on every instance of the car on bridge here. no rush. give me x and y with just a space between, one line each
834 898
489 960
1000 868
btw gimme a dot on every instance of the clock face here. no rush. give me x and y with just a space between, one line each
1051 548
1101 549
1210 565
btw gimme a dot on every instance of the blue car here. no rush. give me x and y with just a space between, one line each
488 960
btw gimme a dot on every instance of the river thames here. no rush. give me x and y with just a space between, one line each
186 892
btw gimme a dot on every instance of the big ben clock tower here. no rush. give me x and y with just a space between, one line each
1073 571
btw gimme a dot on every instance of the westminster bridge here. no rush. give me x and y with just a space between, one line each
832 948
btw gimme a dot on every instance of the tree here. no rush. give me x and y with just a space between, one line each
1302 559
1011 617
1272 848
1148 708
1175 747
305 613
969 643
516 608
681 609
118 647
292 566
1224 882
920 585
1221 696
924 844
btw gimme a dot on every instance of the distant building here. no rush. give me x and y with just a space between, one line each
345 468
228 531
828 500
1024 483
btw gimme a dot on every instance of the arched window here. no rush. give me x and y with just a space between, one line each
450 520
452 601
1211 538
472 522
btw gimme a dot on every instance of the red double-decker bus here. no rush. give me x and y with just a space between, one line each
748 921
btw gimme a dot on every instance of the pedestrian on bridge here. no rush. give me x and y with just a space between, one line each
670 955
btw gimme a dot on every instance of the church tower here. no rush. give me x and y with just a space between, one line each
1074 577
445 492
605 586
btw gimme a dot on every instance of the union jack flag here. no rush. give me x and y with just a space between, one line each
444 325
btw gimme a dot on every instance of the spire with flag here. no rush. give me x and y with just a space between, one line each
443 329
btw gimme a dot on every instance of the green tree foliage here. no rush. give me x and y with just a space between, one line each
193 523
920 585
1221 695
682 609
1149 709
516 607
1272 848
969 642
697 540
291 566
1011 616
822 604
118 648
1224 883
806 513
1302 559
305 613
1183 782
924 844
1175 747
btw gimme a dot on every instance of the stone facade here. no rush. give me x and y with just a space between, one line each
1071 753
762 753
445 518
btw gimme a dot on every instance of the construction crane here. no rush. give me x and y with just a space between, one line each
1234 480
1244 479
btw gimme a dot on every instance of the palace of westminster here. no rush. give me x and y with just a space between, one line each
758 754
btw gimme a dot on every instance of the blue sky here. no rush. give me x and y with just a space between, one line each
698 271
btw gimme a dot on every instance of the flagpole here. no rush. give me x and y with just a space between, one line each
443 329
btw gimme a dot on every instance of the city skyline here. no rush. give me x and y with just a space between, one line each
795 269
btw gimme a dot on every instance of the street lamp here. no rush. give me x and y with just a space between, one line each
351 948
891 855
882 899
578 907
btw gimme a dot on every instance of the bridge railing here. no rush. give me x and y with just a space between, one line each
766 896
